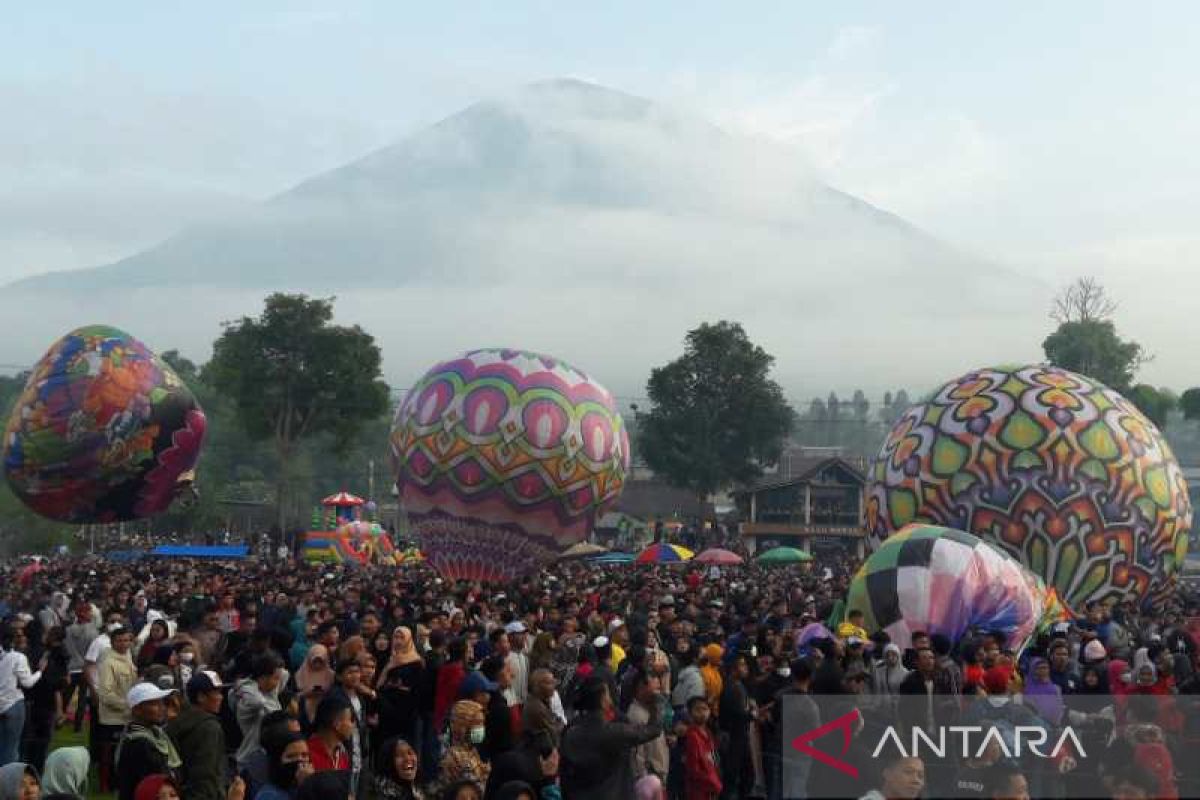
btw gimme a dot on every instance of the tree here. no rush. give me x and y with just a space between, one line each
716 417
1156 404
292 375
1189 403
861 405
1083 301
1086 339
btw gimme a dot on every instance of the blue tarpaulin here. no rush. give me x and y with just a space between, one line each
197 551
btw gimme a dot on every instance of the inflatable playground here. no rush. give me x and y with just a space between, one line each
341 535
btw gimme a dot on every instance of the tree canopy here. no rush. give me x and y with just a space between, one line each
291 374
717 417
1086 340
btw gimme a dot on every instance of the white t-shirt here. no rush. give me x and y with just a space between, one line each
99 646
15 675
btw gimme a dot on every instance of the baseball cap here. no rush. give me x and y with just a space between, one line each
203 682
145 693
474 683
617 622
666 601
1061 628
515 627
600 642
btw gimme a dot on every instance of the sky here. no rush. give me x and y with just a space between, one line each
1055 139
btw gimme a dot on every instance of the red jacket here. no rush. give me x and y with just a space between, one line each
701 781
449 680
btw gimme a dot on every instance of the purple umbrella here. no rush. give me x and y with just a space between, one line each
811 632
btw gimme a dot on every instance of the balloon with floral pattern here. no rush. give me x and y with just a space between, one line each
104 431
1060 471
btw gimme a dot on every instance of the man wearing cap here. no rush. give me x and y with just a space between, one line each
200 739
144 748
518 663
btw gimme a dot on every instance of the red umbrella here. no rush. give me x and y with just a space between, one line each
342 499
715 555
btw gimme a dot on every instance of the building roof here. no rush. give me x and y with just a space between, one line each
657 499
804 470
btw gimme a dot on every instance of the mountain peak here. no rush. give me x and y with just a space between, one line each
556 172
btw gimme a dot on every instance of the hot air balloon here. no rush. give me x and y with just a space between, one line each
938 580
1058 470
504 459
104 431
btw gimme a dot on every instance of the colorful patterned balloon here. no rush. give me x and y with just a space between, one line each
104 431
938 580
1058 470
504 459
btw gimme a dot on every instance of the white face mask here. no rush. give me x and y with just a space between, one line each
784 672
187 658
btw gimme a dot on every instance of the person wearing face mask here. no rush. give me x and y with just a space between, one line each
288 765
461 761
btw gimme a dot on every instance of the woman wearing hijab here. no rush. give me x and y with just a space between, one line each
381 647
19 781
461 760
399 685
157 787
314 679
66 772
1042 694
302 632
396 771
710 672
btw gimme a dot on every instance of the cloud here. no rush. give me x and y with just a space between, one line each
854 42
863 130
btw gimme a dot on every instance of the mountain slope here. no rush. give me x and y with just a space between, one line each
561 180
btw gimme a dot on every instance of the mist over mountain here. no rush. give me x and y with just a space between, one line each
582 221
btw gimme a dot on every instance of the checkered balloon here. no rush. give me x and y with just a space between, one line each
939 580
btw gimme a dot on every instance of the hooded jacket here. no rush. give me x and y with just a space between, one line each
200 740
11 776
67 772
250 705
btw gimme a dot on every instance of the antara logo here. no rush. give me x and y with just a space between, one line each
1035 737
845 724
923 743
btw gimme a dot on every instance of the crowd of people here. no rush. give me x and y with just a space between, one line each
251 681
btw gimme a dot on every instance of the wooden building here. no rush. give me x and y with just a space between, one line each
820 507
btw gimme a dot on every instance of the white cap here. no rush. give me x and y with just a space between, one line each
146 693
515 627
617 622
1062 627
600 642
